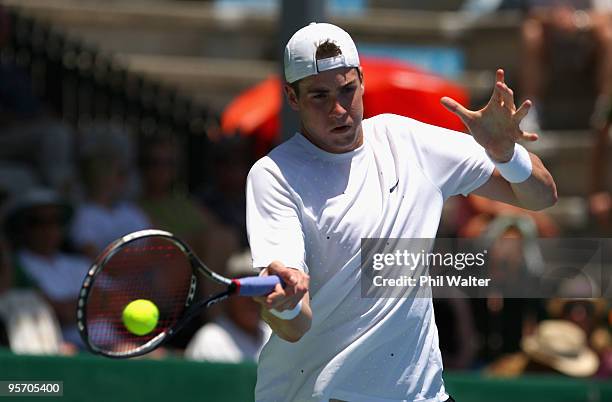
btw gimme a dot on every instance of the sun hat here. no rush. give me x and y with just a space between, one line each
561 345
17 208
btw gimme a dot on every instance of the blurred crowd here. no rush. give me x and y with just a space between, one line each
67 192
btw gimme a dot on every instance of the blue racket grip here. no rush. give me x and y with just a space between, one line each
256 285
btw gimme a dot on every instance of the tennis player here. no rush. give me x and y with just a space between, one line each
342 178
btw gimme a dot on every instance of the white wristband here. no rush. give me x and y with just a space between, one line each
518 169
287 314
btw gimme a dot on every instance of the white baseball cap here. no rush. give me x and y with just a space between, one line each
300 52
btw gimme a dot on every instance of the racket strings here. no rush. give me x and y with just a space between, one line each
154 269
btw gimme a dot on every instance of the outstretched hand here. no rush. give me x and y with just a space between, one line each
496 126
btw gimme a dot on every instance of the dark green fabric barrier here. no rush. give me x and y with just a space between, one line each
472 387
91 379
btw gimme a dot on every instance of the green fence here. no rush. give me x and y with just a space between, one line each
91 379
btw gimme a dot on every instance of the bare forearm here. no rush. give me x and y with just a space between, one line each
535 193
520 178
538 191
290 330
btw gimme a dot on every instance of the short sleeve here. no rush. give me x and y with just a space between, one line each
273 222
452 160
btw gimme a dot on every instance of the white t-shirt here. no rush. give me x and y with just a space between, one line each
59 277
310 209
223 341
94 224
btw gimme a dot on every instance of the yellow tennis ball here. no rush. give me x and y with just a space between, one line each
140 316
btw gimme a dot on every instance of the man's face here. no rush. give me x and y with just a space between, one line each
330 105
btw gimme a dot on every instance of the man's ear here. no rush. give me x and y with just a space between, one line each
291 97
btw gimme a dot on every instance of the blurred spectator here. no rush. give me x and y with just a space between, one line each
556 346
572 303
457 333
511 233
174 210
106 214
592 316
578 330
513 259
225 196
32 141
35 223
562 346
29 324
567 63
239 334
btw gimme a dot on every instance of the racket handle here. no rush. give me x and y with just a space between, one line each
256 285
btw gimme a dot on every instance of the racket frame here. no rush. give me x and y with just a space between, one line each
190 311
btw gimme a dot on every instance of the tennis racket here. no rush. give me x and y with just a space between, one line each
157 266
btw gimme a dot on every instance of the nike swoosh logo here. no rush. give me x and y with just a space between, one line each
392 189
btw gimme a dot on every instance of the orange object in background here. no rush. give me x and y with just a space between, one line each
392 86
255 112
